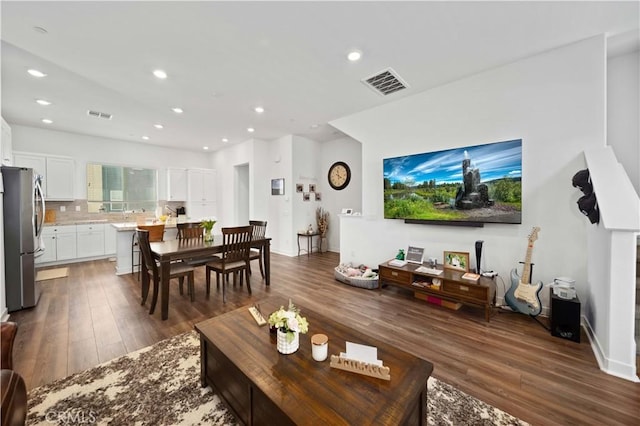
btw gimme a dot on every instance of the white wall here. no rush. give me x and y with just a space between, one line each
107 151
623 112
305 170
350 151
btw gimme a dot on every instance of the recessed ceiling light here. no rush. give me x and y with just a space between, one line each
354 55
36 73
43 102
250 129
160 74
205 148
177 110
146 138
225 140
47 121
158 126
314 126
259 109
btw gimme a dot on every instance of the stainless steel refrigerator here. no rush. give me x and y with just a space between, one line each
23 210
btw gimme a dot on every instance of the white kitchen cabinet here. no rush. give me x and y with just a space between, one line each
201 200
49 240
60 178
59 243
90 239
32 161
6 146
201 184
58 173
176 184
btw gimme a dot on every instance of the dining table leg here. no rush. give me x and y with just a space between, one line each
165 275
267 262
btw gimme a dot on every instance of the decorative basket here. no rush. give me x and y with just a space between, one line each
361 282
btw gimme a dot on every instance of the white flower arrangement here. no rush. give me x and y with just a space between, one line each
289 321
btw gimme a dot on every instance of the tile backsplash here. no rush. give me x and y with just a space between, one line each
77 210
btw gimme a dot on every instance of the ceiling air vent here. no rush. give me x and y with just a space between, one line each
385 82
98 114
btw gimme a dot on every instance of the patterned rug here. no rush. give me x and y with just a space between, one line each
160 385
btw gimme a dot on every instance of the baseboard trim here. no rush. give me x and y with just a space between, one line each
613 368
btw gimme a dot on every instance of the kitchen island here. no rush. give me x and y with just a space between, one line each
124 241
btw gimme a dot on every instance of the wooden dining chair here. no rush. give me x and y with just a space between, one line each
259 232
156 233
189 232
178 270
234 258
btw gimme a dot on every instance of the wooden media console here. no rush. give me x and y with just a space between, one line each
448 285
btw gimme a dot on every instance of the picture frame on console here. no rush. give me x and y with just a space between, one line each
456 260
414 255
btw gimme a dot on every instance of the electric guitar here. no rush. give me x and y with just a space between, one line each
523 296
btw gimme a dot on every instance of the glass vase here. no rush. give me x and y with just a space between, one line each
208 236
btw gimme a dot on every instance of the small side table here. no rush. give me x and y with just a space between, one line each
309 238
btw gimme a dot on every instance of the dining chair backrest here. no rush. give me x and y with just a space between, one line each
236 243
145 248
156 232
259 229
189 231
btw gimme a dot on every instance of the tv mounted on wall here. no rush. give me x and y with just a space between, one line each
469 186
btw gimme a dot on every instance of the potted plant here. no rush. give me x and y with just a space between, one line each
289 324
207 224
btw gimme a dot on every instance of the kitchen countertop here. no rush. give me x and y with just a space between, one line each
120 226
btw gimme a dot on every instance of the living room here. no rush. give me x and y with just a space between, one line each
558 101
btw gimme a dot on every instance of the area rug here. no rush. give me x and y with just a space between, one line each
49 274
160 385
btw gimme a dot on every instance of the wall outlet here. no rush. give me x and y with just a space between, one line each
77 208
63 209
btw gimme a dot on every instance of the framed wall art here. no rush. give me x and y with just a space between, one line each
458 261
277 186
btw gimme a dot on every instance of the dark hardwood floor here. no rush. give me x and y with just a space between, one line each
513 363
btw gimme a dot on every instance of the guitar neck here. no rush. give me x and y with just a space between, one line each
526 273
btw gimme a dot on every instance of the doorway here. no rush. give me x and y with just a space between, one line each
241 199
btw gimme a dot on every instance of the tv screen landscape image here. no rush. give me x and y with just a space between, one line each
474 184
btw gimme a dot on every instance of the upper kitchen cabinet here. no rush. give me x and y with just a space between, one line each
201 185
176 184
60 178
58 173
6 156
201 202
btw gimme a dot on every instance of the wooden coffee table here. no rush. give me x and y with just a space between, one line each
261 386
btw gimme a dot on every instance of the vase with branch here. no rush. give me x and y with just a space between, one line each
322 218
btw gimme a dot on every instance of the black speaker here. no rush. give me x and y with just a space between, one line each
478 254
565 318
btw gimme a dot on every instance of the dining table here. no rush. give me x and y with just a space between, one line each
169 251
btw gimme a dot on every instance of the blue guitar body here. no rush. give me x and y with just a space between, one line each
522 296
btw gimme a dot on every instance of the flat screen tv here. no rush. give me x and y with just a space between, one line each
470 186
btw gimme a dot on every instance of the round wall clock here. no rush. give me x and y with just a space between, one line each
339 175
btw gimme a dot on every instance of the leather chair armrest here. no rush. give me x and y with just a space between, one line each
8 332
14 398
